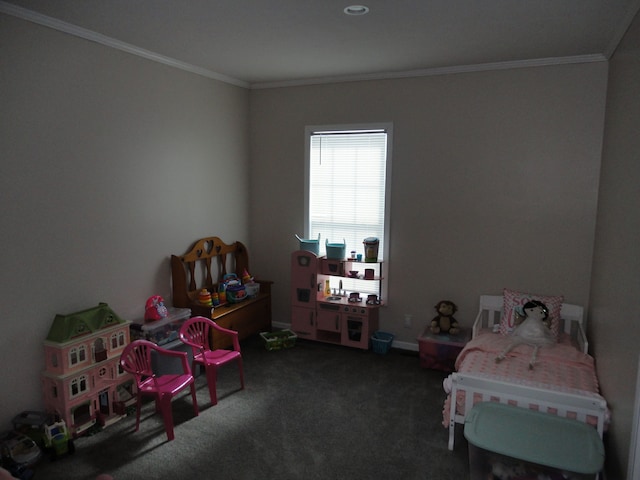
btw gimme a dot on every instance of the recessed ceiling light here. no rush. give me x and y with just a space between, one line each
356 10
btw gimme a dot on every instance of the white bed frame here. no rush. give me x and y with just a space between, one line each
580 407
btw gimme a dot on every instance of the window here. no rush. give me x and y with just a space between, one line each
117 340
347 191
77 355
78 385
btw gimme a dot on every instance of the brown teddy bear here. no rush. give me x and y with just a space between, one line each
444 322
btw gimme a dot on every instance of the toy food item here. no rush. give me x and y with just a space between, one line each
246 278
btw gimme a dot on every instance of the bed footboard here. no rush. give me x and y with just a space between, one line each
590 409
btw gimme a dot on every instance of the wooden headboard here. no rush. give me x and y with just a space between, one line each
203 266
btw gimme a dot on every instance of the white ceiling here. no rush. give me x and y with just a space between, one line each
263 43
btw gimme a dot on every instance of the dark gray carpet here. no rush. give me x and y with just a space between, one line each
315 411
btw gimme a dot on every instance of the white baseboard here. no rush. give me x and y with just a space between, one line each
412 347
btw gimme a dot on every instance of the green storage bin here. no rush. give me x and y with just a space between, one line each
539 439
278 340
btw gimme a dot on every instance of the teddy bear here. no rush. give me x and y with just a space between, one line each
445 322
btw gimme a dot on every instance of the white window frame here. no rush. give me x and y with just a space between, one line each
383 254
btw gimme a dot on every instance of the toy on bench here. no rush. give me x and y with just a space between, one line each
205 266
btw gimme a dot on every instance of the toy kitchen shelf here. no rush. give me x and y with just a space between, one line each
365 279
334 317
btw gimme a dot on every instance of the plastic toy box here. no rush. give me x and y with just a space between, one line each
518 443
439 351
161 331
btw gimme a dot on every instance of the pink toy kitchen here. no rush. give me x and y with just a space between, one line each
336 298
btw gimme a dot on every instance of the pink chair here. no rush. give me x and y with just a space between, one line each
195 332
136 359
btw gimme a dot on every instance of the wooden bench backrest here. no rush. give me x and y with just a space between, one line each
203 266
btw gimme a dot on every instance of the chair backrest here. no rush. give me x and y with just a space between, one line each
195 333
136 359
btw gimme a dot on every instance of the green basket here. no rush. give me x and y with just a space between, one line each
278 340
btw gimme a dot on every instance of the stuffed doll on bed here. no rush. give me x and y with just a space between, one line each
534 331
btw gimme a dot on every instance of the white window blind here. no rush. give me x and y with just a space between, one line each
347 187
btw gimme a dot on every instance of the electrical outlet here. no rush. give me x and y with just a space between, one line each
407 320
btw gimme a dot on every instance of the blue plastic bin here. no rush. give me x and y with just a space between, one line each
381 342
526 442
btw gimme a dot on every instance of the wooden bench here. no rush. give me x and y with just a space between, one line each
204 266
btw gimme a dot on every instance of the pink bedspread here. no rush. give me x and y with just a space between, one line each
559 367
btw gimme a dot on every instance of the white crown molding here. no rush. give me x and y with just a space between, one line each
71 29
538 62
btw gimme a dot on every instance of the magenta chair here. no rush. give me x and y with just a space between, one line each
136 359
195 332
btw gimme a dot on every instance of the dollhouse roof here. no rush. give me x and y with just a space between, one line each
68 327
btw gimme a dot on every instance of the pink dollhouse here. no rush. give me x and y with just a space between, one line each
83 382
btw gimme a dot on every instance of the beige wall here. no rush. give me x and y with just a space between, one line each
109 164
616 268
494 182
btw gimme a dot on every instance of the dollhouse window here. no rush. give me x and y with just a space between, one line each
117 340
77 355
100 350
78 385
